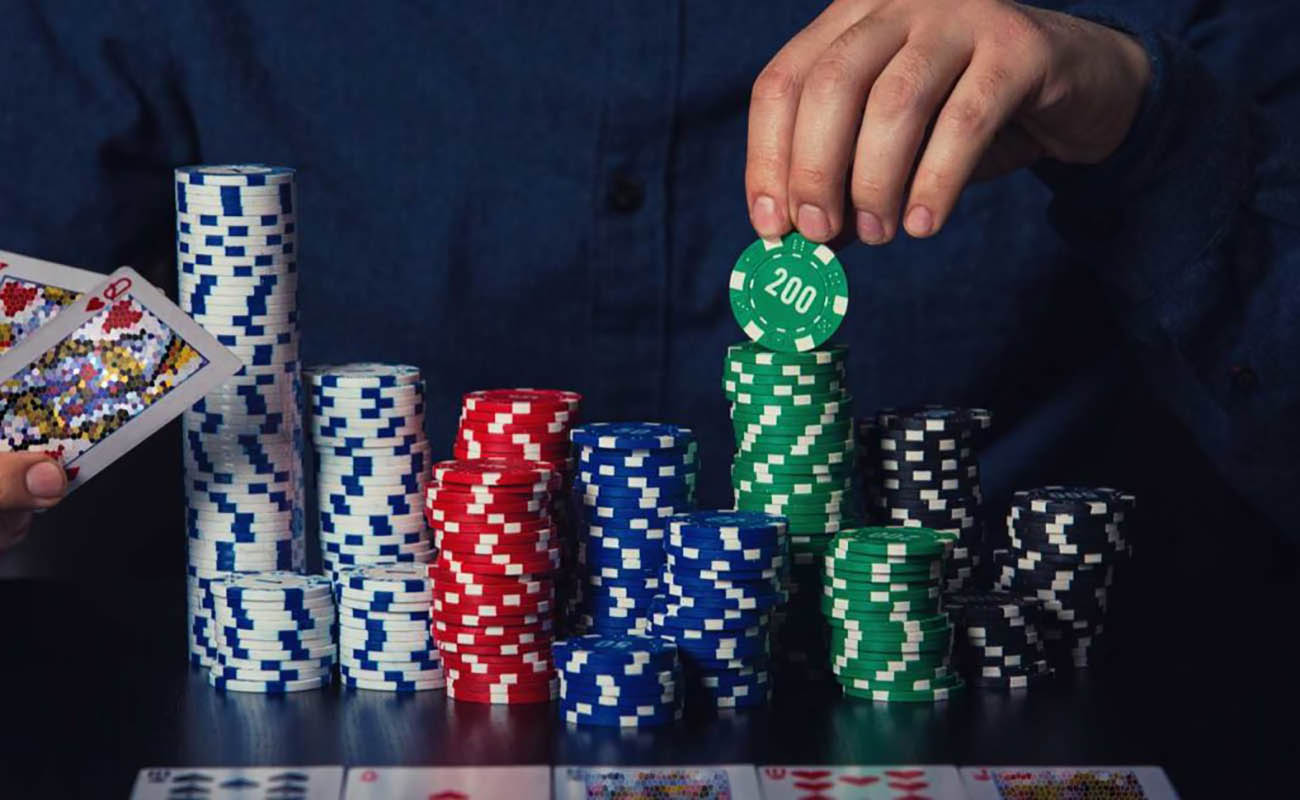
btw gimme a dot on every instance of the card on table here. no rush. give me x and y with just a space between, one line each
105 373
239 783
449 783
729 782
1069 783
33 291
934 782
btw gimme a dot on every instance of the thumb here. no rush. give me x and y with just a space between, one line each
29 481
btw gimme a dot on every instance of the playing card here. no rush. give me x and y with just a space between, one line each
933 782
1067 783
33 291
731 782
449 783
238 783
106 372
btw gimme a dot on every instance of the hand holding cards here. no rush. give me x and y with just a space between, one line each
105 373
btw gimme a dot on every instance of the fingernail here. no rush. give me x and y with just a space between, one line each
813 222
869 228
45 479
766 222
919 221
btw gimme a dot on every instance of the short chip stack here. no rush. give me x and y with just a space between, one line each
532 424
372 460
1065 544
237 276
494 585
929 477
997 645
275 633
385 628
618 681
631 476
723 577
793 424
889 639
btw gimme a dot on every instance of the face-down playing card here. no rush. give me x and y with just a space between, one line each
727 782
1067 783
104 374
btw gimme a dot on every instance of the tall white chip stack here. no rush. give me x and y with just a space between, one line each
372 462
236 240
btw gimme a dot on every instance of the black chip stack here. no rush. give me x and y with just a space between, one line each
1065 544
928 476
997 643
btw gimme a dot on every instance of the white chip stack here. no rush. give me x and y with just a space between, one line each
275 633
237 270
372 462
385 629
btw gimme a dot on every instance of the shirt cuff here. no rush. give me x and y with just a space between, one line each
1171 187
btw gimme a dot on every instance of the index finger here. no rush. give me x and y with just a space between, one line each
773 105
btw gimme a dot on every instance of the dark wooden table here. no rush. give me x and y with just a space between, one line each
94 686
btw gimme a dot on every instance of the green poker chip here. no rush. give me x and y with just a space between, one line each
929 696
788 295
752 354
898 542
904 683
873 593
821 402
879 671
804 382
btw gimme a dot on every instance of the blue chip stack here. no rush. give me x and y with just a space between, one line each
236 241
618 681
631 476
275 633
372 462
723 577
385 629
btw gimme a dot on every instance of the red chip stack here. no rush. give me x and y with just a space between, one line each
494 589
532 424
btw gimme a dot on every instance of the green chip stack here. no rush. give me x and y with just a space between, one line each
793 423
890 640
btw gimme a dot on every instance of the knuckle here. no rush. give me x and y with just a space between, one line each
775 82
867 191
966 116
936 182
809 178
896 93
830 76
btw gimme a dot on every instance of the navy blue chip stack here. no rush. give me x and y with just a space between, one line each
997 644
237 276
631 477
385 628
275 633
372 461
929 477
618 681
724 575
1066 542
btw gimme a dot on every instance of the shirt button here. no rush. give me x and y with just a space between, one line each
1243 378
626 193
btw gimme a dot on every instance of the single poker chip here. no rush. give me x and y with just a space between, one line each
1080 500
405 578
632 436
617 653
363 375
238 175
491 472
789 294
273 586
897 542
521 401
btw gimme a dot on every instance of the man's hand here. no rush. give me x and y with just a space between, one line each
28 481
908 100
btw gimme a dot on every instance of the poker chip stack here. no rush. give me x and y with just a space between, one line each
275 633
238 278
889 639
997 643
618 681
794 433
385 628
1065 544
631 476
372 461
532 424
494 578
723 577
929 477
